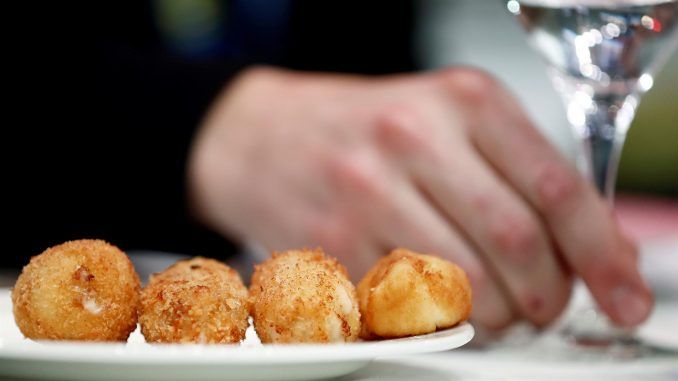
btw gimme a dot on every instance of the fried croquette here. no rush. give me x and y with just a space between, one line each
303 296
195 301
80 290
407 293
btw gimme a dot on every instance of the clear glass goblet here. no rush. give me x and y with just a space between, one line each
602 55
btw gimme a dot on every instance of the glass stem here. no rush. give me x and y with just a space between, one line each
601 122
602 155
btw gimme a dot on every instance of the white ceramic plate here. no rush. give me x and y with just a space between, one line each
137 360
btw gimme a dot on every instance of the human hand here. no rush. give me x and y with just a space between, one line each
443 163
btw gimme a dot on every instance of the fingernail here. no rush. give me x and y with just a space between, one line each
631 307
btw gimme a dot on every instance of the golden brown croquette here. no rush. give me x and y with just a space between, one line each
407 293
195 301
303 296
79 290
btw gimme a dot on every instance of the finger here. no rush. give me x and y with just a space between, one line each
506 232
356 250
409 220
380 207
486 211
579 220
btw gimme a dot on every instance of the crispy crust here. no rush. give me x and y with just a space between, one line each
407 293
303 296
194 301
79 290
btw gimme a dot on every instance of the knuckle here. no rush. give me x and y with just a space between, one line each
533 304
403 129
471 85
542 307
557 185
517 236
357 176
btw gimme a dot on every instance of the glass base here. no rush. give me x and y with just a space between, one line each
591 330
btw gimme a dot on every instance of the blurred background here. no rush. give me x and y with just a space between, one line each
107 96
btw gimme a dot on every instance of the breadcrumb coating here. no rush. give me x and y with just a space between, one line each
303 296
407 294
80 290
195 301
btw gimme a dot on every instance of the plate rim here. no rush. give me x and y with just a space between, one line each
129 353
182 354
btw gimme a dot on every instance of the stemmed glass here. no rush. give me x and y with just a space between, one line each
601 56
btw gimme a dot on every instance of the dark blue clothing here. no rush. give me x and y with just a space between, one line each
102 99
